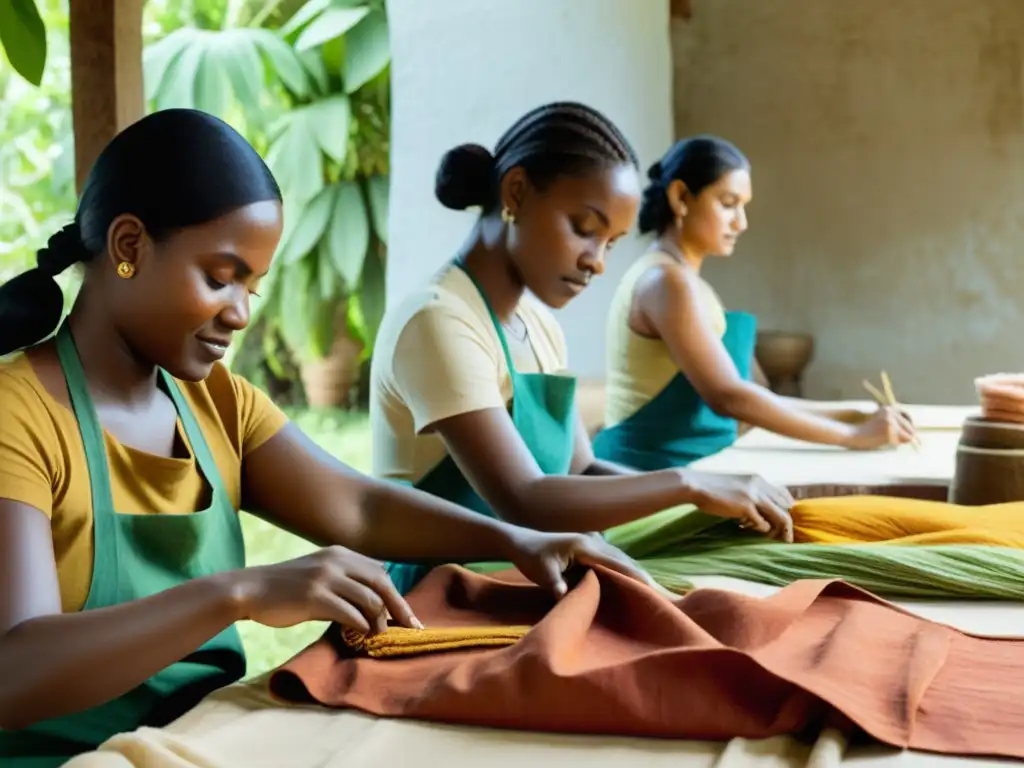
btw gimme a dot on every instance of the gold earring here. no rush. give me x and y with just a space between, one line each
507 216
126 270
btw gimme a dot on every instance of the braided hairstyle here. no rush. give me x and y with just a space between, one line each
172 169
698 162
551 141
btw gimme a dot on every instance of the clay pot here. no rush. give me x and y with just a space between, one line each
989 463
331 382
783 358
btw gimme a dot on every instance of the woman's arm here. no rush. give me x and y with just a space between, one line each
845 415
294 483
490 453
52 663
669 300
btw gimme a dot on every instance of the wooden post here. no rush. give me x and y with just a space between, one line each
106 74
680 9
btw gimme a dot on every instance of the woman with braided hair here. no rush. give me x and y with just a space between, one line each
127 448
469 396
680 368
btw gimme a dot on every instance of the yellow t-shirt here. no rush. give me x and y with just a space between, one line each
639 368
437 355
42 461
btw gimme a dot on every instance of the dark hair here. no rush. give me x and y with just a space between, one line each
698 162
172 169
559 139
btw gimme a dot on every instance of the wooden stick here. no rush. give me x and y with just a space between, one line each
887 386
887 399
874 392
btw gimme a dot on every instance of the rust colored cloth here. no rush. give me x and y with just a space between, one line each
615 657
402 641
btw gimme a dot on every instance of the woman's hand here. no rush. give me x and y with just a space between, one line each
886 426
544 557
333 584
756 503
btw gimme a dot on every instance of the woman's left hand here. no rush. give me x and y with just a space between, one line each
544 557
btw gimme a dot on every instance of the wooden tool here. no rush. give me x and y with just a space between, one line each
888 398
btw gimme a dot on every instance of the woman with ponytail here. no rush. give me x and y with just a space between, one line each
680 368
470 399
127 449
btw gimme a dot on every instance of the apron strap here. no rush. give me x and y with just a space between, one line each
88 423
494 318
194 433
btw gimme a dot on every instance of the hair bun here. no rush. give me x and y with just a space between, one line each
655 172
465 177
64 248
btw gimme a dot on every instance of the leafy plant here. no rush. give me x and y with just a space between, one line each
314 95
23 36
36 151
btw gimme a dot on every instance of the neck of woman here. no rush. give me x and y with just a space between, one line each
114 371
670 243
485 256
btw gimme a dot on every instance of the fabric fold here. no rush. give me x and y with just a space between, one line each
615 657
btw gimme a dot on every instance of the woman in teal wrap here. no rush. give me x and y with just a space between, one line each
470 397
680 369
127 449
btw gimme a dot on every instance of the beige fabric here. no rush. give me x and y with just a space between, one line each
639 368
437 355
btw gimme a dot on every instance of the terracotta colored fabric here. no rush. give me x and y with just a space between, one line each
402 641
615 657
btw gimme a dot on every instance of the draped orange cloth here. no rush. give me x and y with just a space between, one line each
902 521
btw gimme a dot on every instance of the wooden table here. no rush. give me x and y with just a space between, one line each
790 462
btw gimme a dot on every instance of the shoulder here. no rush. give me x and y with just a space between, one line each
22 394
440 319
32 438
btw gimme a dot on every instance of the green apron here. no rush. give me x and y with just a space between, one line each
543 411
137 555
677 427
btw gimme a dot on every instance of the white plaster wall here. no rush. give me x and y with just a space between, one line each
464 70
887 141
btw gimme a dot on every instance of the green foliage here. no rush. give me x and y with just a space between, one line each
307 83
36 151
23 36
314 93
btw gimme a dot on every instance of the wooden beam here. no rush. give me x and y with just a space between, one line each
106 74
680 9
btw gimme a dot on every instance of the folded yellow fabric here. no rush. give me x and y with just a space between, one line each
906 522
402 641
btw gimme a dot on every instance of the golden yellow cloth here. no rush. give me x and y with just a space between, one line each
403 641
906 522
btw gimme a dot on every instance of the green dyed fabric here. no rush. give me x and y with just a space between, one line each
679 543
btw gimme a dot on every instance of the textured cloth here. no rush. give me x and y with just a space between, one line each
614 657
403 641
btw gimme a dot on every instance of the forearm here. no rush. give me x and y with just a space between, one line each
573 503
602 468
399 523
762 408
846 415
66 663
